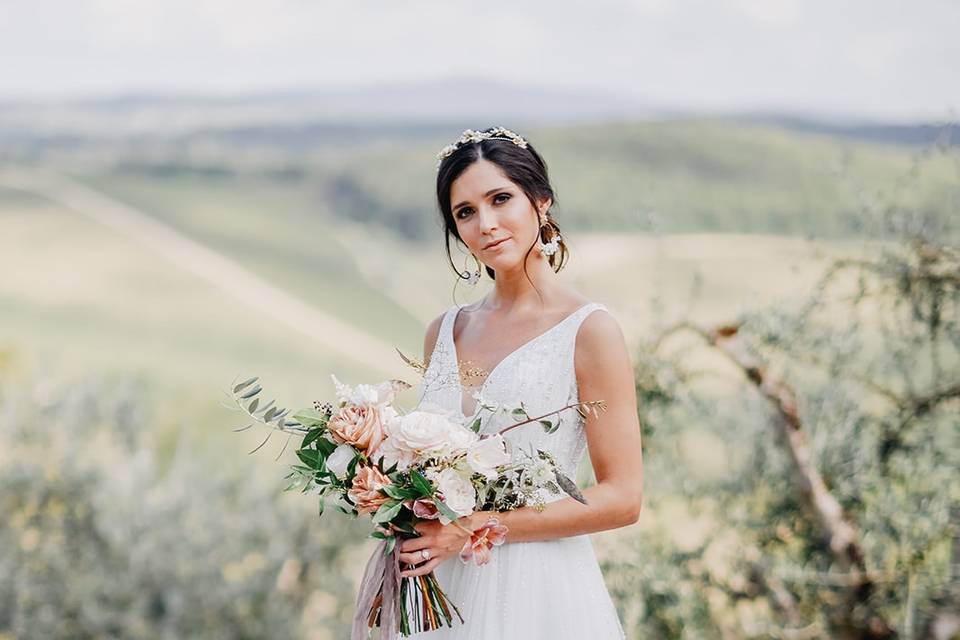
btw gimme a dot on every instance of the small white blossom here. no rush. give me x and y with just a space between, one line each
339 460
538 473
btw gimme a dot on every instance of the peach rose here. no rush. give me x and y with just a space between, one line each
365 489
361 427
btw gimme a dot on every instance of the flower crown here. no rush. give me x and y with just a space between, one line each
476 136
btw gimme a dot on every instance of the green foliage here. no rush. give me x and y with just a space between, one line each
832 510
105 536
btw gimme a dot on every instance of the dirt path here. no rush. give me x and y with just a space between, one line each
227 275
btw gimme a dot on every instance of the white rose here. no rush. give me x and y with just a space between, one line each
487 454
458 493
387 416
391 454
338 461
459 439
429 434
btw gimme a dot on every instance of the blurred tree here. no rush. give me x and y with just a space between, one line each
103 536
838 516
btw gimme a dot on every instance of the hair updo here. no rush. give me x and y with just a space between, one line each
523 167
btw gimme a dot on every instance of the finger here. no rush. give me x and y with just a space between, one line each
421 570
415 544
427 526
412 558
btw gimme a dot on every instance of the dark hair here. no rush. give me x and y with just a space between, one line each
522 166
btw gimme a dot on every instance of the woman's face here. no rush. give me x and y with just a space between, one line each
493 215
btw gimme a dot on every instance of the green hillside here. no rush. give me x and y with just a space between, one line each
676 177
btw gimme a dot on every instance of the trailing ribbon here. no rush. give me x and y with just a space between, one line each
381 581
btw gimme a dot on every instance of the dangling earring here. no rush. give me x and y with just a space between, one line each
471 278
548 248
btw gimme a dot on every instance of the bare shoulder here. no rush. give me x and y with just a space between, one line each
430 337
600 341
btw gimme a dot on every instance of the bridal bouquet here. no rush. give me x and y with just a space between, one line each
397 469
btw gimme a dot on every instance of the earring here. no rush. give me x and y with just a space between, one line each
471 278
548 248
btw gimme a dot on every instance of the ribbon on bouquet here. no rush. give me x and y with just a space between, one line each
380 578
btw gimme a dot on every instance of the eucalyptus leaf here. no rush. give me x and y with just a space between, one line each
253 405
246 383
391 543
252 392
569 487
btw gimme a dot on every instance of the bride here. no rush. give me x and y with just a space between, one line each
532 338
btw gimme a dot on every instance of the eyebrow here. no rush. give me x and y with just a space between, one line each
457 206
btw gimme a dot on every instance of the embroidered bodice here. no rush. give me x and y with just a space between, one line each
540 373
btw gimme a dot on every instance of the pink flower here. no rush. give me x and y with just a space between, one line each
365 489
359 426
423 508
478 547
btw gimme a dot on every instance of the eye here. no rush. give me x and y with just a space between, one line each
460 212
505 196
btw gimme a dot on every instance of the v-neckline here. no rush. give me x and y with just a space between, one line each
496 367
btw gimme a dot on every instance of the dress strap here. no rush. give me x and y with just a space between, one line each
573 323
581 314
444 346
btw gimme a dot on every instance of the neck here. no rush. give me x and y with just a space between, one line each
514 290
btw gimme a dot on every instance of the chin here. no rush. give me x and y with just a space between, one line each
505 263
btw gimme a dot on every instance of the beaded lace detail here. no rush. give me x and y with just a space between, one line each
540 373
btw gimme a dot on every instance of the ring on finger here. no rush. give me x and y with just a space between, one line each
425 554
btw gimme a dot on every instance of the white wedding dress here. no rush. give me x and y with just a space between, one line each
549 590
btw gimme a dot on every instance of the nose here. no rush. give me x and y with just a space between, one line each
487 218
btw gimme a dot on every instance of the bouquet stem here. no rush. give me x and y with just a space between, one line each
408 605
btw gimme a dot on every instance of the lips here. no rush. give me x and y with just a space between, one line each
496 243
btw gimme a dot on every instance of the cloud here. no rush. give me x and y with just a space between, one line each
861 55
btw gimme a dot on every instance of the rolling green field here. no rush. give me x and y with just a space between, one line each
83 297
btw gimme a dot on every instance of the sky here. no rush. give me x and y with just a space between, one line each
879 58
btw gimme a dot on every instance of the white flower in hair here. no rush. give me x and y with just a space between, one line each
469 135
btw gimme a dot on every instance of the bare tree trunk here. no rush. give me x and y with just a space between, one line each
840 535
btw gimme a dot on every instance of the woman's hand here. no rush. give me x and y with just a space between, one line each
440 540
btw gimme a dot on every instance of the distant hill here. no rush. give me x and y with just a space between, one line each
368 154
921 134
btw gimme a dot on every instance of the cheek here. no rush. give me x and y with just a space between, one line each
521 219
467 232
